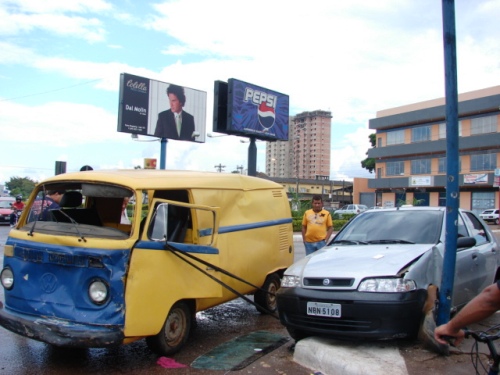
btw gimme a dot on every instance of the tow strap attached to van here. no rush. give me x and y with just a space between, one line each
184 257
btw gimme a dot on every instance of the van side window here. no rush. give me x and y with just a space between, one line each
179 218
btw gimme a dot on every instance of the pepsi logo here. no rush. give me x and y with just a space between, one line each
266 106
266 115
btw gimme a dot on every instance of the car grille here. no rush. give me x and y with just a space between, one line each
331 324
326 282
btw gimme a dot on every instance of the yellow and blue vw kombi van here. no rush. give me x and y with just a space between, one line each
79 271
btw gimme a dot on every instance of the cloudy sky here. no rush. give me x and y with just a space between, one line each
60 64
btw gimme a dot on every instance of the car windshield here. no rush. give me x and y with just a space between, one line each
5 204
393 226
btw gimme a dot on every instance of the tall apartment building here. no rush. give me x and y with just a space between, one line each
411 152
306 155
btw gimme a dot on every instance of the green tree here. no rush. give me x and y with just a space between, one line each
20 186
369 163
415 202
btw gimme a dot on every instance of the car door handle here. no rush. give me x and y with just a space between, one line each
474 256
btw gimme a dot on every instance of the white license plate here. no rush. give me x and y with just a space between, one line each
329 310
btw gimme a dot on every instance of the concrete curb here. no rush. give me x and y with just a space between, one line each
333 357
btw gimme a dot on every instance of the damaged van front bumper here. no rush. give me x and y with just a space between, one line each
60 332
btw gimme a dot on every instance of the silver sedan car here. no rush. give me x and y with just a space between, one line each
371 280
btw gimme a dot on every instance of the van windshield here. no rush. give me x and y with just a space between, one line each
83 209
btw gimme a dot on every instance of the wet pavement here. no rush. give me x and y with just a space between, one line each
215 327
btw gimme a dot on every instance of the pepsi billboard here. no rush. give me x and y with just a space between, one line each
245 109
161 109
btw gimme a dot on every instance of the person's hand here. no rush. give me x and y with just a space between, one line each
444 333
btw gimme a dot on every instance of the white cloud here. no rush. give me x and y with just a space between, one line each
57 123
352 58
54 16
55 6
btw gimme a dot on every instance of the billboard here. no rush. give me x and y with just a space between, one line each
245 109
149 163
161 109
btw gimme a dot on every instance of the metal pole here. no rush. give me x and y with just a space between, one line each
163 153
252 157
452 155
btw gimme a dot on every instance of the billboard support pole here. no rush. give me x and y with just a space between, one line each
163 153
252 157
452 167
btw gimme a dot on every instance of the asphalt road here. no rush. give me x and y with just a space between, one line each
215 326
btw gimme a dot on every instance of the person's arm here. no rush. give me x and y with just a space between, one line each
304 227
481 307
328 233
329 229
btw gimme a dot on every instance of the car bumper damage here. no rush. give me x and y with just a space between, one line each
59 332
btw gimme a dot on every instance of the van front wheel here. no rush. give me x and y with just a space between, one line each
175 331
266 298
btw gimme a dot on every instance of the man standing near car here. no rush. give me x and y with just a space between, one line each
317 226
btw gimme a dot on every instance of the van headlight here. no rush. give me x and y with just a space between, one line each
7 278
98 291
387 285
290 281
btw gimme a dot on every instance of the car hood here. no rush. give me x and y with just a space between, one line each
358 261
5 211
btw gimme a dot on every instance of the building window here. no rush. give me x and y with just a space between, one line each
481 125
442 165
421 166
442 199
421 134
442 130
395 137
483 162
395 168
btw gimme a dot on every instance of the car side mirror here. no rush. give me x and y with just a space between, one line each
466 242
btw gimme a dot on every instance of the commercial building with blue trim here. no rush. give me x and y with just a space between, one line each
411 147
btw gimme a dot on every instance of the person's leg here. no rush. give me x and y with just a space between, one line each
319 245
310 248
12 218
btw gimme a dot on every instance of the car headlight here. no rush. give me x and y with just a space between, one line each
7 278
98 291
289 281
387 285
